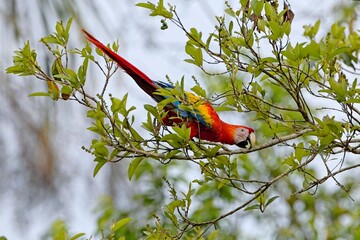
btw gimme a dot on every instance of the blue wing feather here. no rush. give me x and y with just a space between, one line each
176 104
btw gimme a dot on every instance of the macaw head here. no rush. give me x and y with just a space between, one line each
244 137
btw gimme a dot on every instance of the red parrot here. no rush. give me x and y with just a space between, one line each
203 121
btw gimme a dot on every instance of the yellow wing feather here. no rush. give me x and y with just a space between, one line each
203 110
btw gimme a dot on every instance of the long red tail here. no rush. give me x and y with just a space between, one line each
144 82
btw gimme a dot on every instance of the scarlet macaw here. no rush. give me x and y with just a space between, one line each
204 122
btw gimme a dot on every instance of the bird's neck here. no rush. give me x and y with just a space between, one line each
227 133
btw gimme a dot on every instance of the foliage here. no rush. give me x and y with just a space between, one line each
303 97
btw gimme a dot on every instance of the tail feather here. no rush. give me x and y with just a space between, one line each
144 82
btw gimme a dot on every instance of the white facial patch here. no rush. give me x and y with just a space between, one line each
241 135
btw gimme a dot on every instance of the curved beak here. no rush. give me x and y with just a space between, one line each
249 142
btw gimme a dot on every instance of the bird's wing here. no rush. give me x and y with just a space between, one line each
194 108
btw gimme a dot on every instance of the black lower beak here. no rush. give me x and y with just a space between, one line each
244 144
248 143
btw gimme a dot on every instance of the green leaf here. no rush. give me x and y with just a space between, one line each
244 3
289 55
231 26
58 230
59 28
99 52
337 31
327 140
76 236
25 63
253 207
195 38
97 113
170 137
157 10
149 125
257 6
172 205
50 39
214 235
338 89
133 166
100 163
71 76
230 12
300 152
17 69
81 74
167 101
316 27
174 140
121 223
270 12
224 108
199 91
183 132
212 151
338 51
172 153
151 109
311 31
101 150
117 104
261 24
208 41
147 5
353 100
195 148
39 94
275 29
222 183
68 24
290 161
286 28
271 200
195 53
190 61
